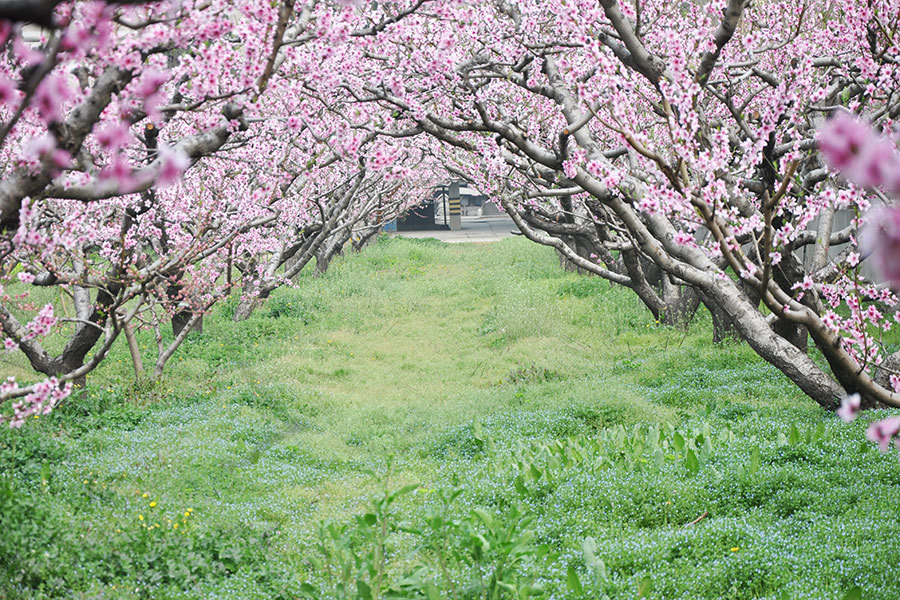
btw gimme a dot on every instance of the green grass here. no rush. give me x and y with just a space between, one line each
449 367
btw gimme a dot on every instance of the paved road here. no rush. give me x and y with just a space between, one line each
474 229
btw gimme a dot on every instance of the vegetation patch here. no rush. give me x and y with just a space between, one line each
381 448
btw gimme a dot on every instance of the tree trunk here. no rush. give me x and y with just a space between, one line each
795 334
724 328
324 257
249 303
92 318
331 248
367 235
135 352
182 318
773 348
679 310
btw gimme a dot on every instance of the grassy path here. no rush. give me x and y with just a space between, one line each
419 362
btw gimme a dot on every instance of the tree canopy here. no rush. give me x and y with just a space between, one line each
157 155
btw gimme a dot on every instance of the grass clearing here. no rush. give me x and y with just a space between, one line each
458 368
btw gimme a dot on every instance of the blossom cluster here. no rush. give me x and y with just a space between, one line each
852 147
44 396
882 432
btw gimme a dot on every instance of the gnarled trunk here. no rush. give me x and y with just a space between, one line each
775 349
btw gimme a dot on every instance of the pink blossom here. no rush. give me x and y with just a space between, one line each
880 237
878 166
842 138
10 344
883 431
7 91
8 386
121 172
114 136
25 277
5 30
683 238
294 123
150 89
43 397
383 158
77 37
36 148
42 323
851 146
150 82
50 96
849 408
25 54
173 164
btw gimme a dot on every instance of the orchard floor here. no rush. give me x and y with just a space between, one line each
472 422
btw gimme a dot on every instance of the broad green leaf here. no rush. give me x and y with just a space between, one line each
653 437
432 592
691 462
659 459
553 463
854 593
404 490
520 486
482 542
572 581
638 449
794 436
645 586
754 460
484 516
594 563
363 591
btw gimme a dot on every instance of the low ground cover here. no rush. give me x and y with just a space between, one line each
441 421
